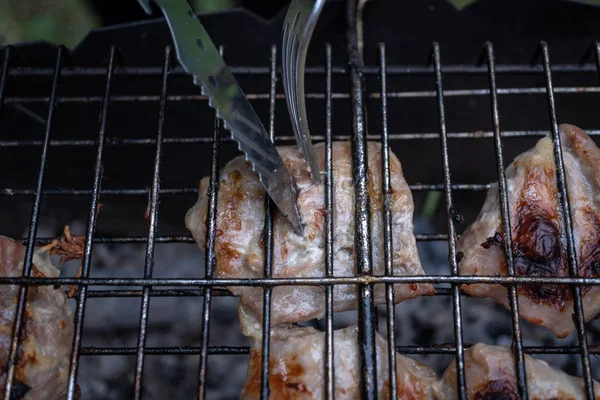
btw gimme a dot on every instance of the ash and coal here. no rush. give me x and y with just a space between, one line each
176 322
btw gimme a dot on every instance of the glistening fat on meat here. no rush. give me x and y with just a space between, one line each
537 233
239 243
490 374
297 367
47 336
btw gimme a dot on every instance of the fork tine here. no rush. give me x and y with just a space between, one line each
300 20
292 45
291 83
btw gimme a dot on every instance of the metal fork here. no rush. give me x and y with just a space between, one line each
298 27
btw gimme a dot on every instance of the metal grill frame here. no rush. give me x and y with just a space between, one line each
209 286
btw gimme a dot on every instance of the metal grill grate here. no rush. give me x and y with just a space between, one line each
210 286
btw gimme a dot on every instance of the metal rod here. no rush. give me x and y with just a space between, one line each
329 249
508 244
188 239
268 235
152 227
362 242
279 140
33 225
313 281
312 70
310 96
215 291
210 259
179 191
567 223
596 46
459 356
388 245
4 74
89 236
441 348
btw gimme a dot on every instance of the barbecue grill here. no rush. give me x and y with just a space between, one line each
80 128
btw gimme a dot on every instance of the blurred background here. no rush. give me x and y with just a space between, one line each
68 21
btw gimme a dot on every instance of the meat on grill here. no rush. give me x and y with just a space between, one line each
47 335
539 249
239 243
296 367
490 374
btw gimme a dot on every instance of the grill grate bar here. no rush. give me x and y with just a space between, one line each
312 70
89 236
281 139
266 328
441 348
596 47
388 245
3 75
210 259
179 191
329 348
505 211
567 223
33 225
312 281
215 291
362 242
310 96
152 227
190 240
459 356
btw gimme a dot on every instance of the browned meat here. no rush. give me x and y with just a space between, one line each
240 222
43 359
490 374
536 231
297 369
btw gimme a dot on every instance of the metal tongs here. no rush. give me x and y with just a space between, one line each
199 57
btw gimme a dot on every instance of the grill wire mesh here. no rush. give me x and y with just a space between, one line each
209 286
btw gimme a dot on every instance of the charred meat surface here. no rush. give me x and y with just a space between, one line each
296 362
69 247
490 374
239 243
539 248
47 335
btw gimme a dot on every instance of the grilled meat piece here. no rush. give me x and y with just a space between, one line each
490 374
296 367
537 232
239 243
47 335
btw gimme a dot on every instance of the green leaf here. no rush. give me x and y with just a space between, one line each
62 22
432 200
460 4
213 5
